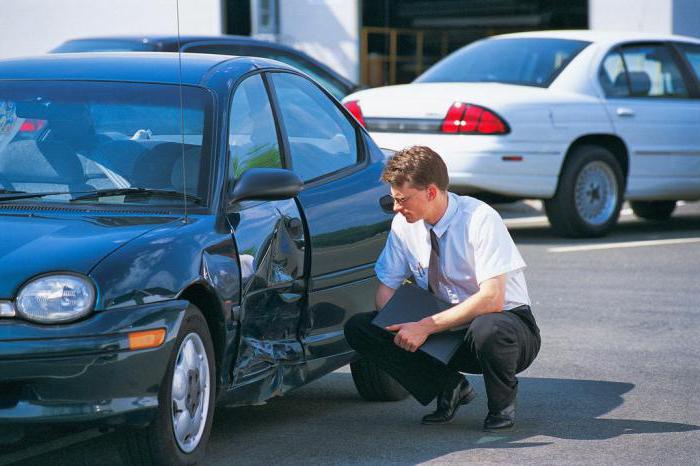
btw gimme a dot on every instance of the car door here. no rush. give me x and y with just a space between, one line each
340 200
270 241
690 55
649 100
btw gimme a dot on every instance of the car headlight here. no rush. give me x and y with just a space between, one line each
56 298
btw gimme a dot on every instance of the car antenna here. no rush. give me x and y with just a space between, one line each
182 111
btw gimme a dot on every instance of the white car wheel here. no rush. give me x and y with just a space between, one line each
588 198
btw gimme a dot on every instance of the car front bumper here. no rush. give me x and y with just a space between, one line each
483 163
85 371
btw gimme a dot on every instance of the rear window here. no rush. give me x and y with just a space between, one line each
523 61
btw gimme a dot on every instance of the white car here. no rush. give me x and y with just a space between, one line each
581 119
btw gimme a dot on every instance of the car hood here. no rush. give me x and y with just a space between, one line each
432 100
36 244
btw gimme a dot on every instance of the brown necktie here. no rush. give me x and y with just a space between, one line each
434 264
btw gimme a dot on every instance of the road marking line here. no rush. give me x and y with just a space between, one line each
543 218
57 444
524 221
630 244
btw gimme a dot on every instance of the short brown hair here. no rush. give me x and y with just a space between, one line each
418 166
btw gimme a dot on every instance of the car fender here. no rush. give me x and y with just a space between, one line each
161 264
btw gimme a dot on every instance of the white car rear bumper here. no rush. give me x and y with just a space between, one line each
489 163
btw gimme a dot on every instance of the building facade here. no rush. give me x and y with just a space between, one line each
374 42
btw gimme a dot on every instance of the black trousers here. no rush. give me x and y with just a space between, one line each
497 345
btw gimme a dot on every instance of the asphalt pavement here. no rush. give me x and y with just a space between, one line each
617 380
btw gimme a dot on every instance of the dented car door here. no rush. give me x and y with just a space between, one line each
271 243
270 239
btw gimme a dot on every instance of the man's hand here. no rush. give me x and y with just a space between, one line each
410 336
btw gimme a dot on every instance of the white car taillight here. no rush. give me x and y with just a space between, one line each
465 118
354 107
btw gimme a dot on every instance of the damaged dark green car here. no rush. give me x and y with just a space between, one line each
176 235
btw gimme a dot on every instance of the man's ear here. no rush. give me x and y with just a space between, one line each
432 191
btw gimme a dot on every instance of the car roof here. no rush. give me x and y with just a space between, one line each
599 36
170 43
173 39
161 67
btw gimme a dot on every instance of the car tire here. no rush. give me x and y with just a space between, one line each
158 444
589 195
373 384
653 210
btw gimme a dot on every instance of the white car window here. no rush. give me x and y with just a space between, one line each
652 72
692 54
522 61
612 76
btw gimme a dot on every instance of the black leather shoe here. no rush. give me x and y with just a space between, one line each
503 419
457 392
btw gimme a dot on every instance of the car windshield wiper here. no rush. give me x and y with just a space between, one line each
146 192
10 195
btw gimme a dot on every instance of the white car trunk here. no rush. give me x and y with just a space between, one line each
432 100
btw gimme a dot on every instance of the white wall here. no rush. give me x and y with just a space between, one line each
659 16
328 30
29 27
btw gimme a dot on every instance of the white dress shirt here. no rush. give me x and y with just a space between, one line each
474 246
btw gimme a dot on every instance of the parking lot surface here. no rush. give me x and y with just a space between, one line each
616 382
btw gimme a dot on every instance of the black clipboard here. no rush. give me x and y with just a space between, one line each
411 303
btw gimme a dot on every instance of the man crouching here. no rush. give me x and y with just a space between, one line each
459 249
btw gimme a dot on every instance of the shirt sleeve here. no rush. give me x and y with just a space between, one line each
495 252
392 266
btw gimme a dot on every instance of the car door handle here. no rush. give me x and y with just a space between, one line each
625 112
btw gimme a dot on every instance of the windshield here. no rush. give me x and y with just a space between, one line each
523 61
74 138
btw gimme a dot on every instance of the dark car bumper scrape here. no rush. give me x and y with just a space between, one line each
85 371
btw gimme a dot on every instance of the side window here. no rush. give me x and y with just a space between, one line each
321 139
691 52
252 133
612 76
652 72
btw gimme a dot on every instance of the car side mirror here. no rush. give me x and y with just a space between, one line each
266 184
387 203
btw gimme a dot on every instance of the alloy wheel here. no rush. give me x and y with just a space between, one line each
596 193
190 393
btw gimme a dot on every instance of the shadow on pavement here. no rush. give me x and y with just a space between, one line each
328 422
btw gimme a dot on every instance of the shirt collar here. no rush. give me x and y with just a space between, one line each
441 226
